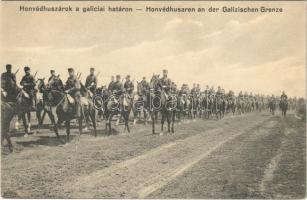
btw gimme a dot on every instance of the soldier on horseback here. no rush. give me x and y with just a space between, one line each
129 86
165 83
54 82
117 87
111 83
144 84
8 84
91 81
28 83
73 87
283 96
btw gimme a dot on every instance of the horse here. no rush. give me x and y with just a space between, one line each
19 107
231 105
139 101
283 105
115 104
8 111
65 110
272 106
206 105
217 107
160 102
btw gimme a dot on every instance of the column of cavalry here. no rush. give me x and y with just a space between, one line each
122 97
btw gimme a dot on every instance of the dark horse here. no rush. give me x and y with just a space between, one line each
65 109
159 101
19 107
115 104
283 105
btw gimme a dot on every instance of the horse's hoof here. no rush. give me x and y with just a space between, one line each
26 135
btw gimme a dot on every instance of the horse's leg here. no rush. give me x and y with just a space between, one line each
168 115
173 121
25 125
152 115
80 124
127 120
162 121
93 119
39 118
29 121
109 123
55 127
67 124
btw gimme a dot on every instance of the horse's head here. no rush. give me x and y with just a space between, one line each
40 84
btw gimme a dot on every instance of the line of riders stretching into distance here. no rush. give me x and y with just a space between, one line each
159 97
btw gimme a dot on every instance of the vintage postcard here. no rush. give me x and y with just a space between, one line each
153 99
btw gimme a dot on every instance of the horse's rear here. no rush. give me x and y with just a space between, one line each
7 114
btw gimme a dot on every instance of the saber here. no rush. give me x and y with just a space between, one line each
17 71
35 74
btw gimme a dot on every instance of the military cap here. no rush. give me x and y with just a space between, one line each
8 66
92 68
52 71
165 70
70 69
128 76
117 76
26 68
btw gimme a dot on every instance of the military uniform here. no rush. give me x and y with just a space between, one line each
110 86
145 85
28 83
55 83
117 88
8 84
284 96
91 83
73 87
165 84
129 87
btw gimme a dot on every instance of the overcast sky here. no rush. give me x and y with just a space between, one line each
259 52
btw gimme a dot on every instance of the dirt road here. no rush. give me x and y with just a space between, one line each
250 156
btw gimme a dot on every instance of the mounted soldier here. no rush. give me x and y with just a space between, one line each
91 81
8 84
219 91
111 83
28 83
165 83
193 90
129 86
145 85
283 96
117 87
54 82
73 87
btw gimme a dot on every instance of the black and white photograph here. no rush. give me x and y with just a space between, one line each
153 99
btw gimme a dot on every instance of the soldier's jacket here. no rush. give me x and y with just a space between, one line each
73 85
56 83
117 87
8 80
28 83
129 87
283 96
90 79
110 85
145 85
165 83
